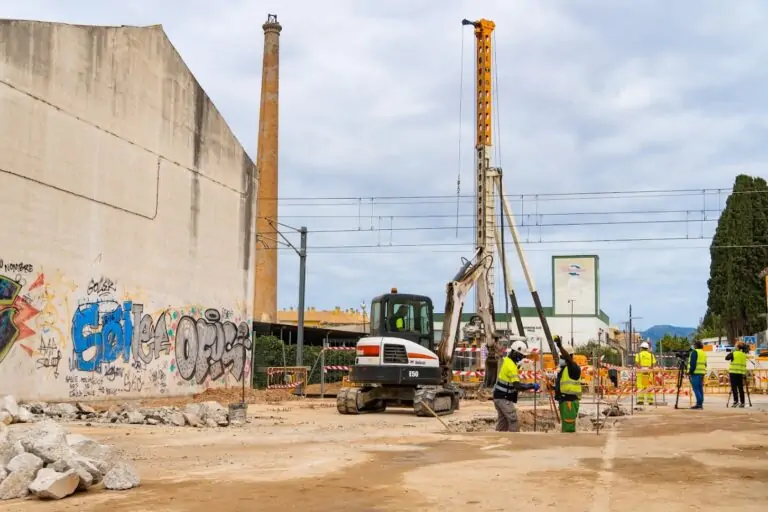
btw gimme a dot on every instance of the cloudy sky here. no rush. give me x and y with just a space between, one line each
615 98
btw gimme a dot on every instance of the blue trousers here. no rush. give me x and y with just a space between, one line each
697 383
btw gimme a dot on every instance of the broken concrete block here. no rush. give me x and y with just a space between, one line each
52 485
176 419
3 474
85 408
24 415
26 462
15 485
193 420
152 421
37 407
47 440
8 404
102 456
5 418
196 409
62 410
121 477
133 417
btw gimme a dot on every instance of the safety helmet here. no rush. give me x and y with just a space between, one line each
645 345
568 349
519 346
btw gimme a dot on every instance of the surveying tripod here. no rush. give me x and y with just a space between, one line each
681 366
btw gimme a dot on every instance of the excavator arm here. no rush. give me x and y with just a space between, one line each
474 271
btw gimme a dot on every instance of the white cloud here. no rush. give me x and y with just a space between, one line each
593 96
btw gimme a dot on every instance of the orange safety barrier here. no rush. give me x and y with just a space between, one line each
286 377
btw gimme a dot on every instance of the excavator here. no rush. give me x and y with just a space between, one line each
400 364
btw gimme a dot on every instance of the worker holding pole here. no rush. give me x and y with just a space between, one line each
644 362
507 386
567 387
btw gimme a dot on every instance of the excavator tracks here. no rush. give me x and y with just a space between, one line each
352 401
441 400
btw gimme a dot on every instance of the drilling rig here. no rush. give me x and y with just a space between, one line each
488 181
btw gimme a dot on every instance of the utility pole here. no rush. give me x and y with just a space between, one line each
571 301
302 252
302 286
764 275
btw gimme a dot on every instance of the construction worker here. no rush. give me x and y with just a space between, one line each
398 320
697 371
507 386
567 387
644 362
737 372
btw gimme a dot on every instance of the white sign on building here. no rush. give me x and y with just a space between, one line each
575 285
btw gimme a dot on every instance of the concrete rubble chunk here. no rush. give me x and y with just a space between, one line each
16 485
5 418
101 456
133 417
37 407
52 485
176 419
193 420
25 415
8 404
121 477
85 408
47 440
3 474
63 410
26 462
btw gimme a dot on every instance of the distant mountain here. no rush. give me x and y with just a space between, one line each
657 332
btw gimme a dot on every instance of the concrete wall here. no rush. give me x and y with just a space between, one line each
127 233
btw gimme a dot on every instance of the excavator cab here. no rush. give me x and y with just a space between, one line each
405 316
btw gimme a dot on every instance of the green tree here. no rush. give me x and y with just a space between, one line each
612 356
671 343
710 326
739 250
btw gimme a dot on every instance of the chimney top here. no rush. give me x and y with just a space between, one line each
272 24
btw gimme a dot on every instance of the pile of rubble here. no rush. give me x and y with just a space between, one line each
46 461
206 414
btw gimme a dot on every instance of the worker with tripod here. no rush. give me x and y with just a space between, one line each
737 372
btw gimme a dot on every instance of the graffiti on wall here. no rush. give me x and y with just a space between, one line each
15 312
108 344
208 347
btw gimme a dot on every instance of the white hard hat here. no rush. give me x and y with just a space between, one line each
519 346
568 349
645 345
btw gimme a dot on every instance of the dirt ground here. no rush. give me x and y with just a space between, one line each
303 455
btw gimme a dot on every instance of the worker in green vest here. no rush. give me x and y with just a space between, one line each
697 371
567 387
737 372
507 386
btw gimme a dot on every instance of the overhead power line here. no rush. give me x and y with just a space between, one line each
544 196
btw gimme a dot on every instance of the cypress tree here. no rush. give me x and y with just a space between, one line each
738 253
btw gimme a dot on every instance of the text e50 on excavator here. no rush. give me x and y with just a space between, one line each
400 363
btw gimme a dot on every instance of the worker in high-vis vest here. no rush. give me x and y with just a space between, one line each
507 386
737 371
697 371
398 320
644 362
567 387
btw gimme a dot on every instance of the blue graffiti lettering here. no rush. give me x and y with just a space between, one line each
103 328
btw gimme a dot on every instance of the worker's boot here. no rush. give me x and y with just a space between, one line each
741 405
735 405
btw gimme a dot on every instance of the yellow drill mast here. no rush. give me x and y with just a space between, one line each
485 207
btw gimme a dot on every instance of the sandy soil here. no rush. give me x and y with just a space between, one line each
303 455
